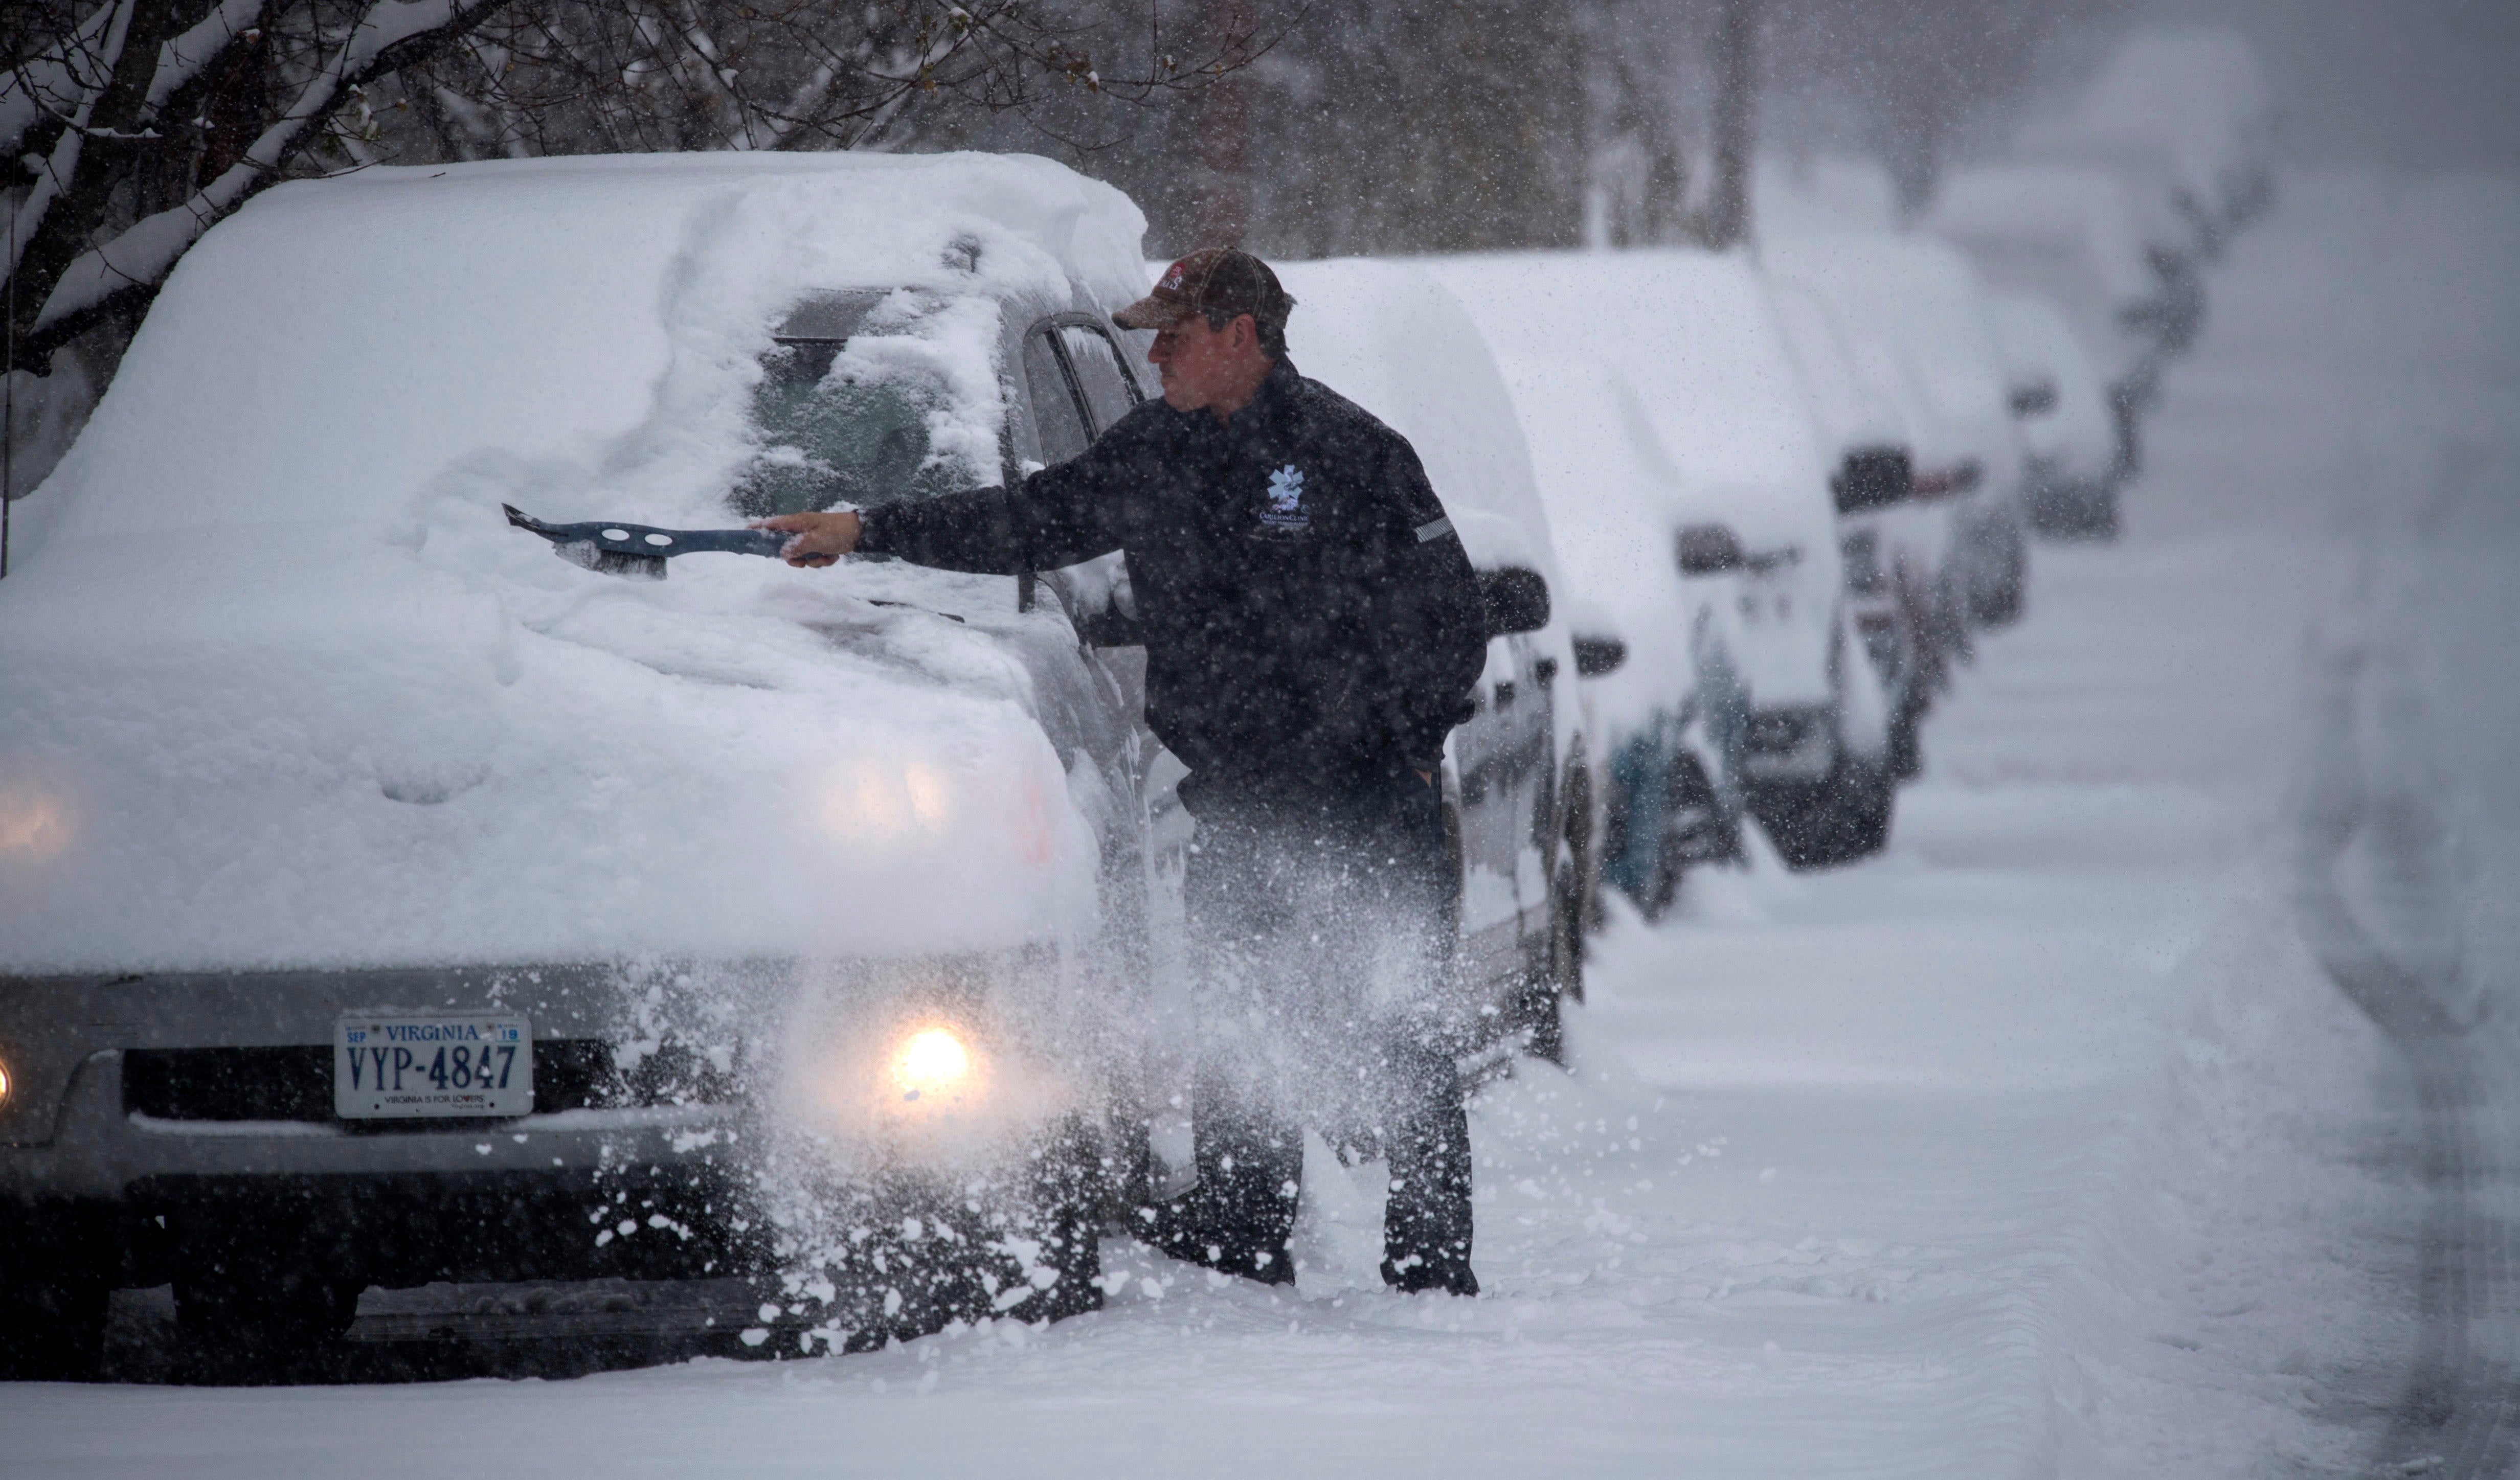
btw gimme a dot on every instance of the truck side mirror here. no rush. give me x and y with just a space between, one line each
1517 600
1709 549
1874 478
1597 654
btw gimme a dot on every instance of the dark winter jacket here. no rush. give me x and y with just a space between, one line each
1311 619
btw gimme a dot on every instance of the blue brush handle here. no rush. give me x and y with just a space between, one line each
647 539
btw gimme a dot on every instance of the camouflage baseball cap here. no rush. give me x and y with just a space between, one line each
1215 281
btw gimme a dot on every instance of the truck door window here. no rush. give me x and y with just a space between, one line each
1058 409
1109 390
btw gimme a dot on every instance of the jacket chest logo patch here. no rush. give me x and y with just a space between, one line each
1285 509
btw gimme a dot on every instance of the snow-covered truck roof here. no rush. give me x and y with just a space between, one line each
292 693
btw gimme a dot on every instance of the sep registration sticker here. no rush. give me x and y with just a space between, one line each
400 1065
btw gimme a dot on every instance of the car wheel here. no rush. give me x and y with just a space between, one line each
1906 755
1997 600
53 1332
1838 821
1543 999
1069 1189
898 1259
271 1326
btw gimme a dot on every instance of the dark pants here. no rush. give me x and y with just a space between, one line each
1320 931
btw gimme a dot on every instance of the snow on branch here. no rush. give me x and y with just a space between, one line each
182 59
387 35
57 81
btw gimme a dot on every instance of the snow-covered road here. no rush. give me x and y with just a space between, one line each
2041 1146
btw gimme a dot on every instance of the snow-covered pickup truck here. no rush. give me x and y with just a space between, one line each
384 901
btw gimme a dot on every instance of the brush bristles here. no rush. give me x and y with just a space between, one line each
612 562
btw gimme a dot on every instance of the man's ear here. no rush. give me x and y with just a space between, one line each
1246 331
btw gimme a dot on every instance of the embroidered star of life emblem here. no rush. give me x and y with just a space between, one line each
1286 500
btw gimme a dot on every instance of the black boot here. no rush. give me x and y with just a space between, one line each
1240 1216
1426 1224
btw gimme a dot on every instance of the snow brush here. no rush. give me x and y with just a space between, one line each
641 550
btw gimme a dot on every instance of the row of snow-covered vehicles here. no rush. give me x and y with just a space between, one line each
821 930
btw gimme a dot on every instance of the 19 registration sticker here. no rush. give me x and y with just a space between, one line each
400 1065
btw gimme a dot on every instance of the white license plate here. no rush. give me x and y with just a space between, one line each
400 1065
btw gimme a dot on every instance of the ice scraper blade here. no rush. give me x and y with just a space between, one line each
641 550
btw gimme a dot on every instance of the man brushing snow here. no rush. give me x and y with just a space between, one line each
1313 630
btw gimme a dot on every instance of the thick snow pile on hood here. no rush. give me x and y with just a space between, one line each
292 693
2079 438
1390 337
1694 336
1918 296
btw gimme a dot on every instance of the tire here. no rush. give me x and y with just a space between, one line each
1070 1189
1835 822
1998 599
1906 755
1542 1010
53 1332
902 1276
279 1327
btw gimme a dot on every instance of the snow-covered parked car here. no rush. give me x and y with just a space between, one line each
1666 717
384 901
2073 470
1696 340
1921 298
1518 781
2078 234
1900 585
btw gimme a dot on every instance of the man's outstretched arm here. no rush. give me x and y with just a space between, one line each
1058 516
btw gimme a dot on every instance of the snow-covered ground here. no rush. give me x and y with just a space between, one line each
2040 1146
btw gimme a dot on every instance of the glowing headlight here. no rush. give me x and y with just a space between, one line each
870 803
4 1083
928 1061
33 824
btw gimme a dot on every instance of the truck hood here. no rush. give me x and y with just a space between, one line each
316 749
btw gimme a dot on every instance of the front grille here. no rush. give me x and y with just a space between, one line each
295 1082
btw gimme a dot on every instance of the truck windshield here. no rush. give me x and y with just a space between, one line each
871 398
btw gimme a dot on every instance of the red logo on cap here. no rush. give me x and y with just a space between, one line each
1173 276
